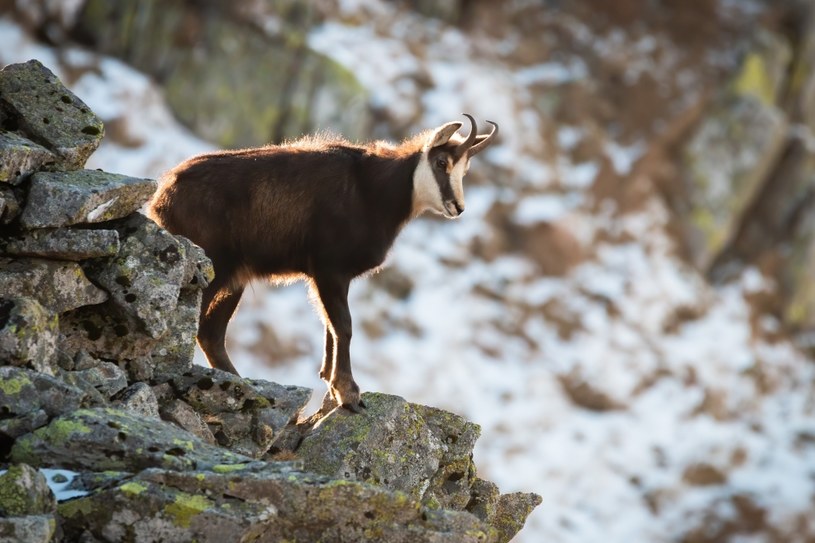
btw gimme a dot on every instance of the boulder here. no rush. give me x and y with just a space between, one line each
20 157
243 415
48 113
28 399
10 207
31 529
58 286
99 439
730 154
62 244
139 399
28 334
259 502
80 197
24 491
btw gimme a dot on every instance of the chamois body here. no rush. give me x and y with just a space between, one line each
320 209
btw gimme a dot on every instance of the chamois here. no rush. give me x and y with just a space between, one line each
318 208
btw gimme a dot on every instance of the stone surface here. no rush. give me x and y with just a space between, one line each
62 244
202 85
10 207
100 439
58 286
28 334
139 399
243 415
145 278
28 399
260 502
20 157
106 377
198 271
48 113
24 491
511 512
30 529
180 413
175 349
390 445
80 197
730 154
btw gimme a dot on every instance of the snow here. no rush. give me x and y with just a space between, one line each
492 339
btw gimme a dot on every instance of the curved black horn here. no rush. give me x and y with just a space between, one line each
484 141
464 146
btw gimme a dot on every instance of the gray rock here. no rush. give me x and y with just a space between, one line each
244 415
483 499
511 512
58 199
180 413
174 351
28 334
58 286
198 271
145 278
24 491
30 529
50 114
139 398
62 244
390 445
99 330
29 398
99 439
106 377
10 207
20 157
450 486
259 502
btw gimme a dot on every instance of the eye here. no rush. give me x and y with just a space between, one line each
441 163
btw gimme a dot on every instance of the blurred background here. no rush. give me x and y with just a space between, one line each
627 307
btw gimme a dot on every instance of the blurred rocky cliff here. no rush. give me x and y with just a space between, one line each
98 314
627 304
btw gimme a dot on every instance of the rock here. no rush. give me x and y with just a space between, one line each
175 349
390 445
20 157
106 377
50 114
29 398
30 529
28 334
511 512
145 278
263 502
62 244
111 439
731 153
98 330
24 491
483 499
58 286
243 415
204 84
180 413
58 199
449 487
198 271
139 399
10 207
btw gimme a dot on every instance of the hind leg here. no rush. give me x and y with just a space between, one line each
218 306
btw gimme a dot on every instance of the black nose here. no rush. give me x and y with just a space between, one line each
459 208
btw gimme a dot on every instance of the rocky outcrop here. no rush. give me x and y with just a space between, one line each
110 433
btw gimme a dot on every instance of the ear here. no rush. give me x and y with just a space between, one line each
442 135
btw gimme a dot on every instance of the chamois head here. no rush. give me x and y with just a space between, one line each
438 180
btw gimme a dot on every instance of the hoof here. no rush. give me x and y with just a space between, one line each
358 408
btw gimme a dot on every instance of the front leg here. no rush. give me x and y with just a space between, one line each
333 293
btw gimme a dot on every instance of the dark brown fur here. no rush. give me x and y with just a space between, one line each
325 210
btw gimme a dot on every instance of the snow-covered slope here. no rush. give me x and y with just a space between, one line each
637 399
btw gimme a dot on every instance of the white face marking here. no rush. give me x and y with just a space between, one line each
426 193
